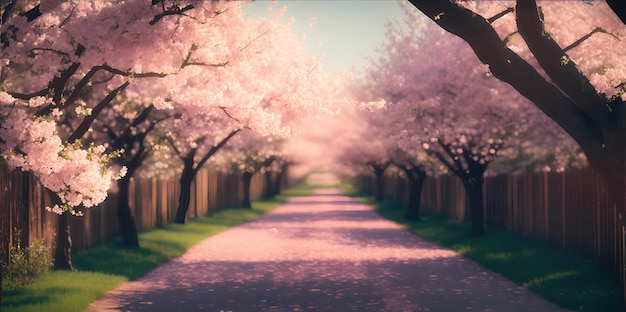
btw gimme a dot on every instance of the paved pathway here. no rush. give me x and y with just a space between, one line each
320 253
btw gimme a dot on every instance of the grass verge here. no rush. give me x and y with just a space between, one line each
302 190
557 275
101 268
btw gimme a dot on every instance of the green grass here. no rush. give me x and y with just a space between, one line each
301 190
101 268
351 191
59 291
557 275
306 189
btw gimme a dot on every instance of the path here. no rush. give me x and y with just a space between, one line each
320 253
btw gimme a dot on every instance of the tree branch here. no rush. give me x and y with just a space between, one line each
444 161
188 62
559 67
509 67
112 135
49 50
585 37
129 73
29 96
269 161
143 116
32 14
499 15
173 11
456 166
214 149
84 126
508 37
8 10
173 145
57 85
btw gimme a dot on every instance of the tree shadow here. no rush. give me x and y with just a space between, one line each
439 284
329 254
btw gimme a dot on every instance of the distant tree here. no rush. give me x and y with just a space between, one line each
363 140
248 154
268 80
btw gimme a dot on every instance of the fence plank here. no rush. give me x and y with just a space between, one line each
153 203
569 209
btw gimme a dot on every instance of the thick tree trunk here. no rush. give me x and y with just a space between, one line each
186 180
247 179
474 191
63 255
596 124
125 219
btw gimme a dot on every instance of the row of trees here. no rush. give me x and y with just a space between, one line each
449 111
565 57
93 92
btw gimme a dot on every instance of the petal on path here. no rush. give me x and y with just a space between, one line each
325 252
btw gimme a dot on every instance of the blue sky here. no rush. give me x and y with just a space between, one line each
348 30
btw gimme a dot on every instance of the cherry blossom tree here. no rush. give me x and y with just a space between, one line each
389 124
195 148
125 127
449 107
566 57
277 170
267 81
59 57
384 80
248 154
362 140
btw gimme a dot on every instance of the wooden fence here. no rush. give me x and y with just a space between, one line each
153 203
571 210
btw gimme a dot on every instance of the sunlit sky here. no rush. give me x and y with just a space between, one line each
349 30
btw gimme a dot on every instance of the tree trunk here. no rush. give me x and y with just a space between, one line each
467 209
189 173
185 192
415 197
125 219
63 255
247 179
269 190
596 124
379 192
474 191
278 181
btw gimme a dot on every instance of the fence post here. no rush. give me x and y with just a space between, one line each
563 214
622 241
546 208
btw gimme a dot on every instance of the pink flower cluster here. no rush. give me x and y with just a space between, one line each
80 177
